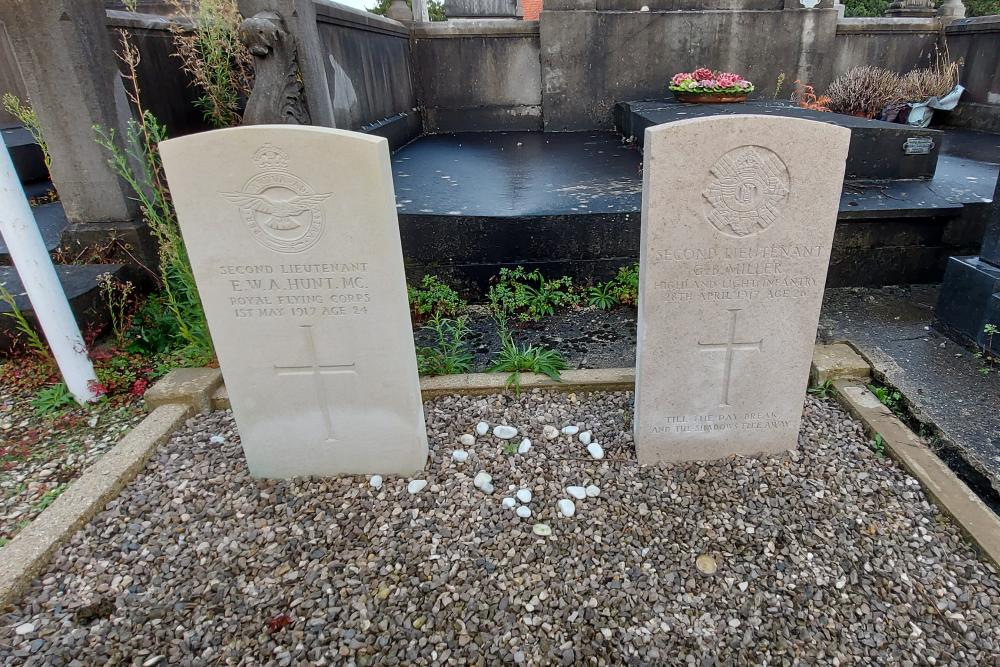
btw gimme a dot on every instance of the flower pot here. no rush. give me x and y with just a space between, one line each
709 98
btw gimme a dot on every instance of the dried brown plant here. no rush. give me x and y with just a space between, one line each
934 81
865 91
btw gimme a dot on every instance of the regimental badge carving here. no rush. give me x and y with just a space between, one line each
282 211
748 192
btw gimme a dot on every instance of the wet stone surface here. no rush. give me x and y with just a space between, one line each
826 555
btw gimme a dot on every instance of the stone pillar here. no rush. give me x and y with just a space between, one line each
420 12
299 18
400 11
911 9
952 10
71 75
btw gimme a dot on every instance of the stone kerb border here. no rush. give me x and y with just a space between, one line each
183 392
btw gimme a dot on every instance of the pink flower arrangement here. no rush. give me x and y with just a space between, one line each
704 80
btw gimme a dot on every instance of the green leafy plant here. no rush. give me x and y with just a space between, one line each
138 163
602 295
23 327
52 400
215 58
528 296
622 289
50 496
25 114
877 445
823 390
451 354
434 297
890 398
516 359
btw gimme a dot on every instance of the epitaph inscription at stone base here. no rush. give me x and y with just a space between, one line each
294 241
738 215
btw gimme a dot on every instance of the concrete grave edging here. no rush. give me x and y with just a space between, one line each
32 548
945 489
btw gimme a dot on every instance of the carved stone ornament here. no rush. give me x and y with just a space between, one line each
278 96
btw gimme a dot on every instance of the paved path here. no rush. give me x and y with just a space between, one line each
942 379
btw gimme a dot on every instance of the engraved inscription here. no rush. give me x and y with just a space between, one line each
748 191
730 347
317 371
282 211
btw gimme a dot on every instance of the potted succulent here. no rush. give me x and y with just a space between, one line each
703 86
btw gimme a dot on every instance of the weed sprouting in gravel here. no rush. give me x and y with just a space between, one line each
51 401
824 390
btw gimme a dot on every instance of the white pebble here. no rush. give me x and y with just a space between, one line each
596 451
487 488
482 428
592 491
550 432
416 486
217 440
586 437
467 440
508 503
524 495
24 629
375 481
541 529
523 511
570 430
524 447
460 456
482 478
577 492
566 507
504 432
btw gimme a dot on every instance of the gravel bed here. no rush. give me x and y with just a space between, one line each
40 456
828 555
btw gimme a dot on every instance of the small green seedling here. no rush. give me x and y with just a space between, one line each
878 445
824 390
50 401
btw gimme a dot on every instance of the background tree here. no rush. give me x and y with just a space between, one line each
435 8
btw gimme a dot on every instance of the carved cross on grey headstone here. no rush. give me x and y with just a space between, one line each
730 347
317 371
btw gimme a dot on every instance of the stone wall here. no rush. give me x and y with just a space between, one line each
166 89
592 59
368 73
896 44
478 75
976 41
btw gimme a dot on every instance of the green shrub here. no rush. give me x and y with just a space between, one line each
434 297
528 296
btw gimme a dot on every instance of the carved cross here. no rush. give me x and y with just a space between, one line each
317 371
730 347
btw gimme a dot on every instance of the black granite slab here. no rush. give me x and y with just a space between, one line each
51 221
878 150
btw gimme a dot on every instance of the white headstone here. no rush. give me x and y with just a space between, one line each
738 215
293 238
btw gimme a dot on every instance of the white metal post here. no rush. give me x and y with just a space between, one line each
33 265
